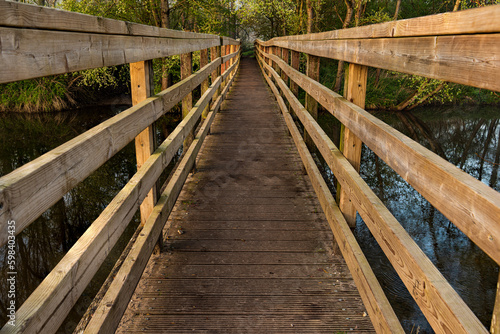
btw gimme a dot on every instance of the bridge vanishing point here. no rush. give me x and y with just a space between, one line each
239 238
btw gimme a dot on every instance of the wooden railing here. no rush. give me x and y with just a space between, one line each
461 47
37 41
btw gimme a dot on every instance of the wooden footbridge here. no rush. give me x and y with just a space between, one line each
239 238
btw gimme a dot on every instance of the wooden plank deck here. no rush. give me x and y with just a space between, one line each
248 247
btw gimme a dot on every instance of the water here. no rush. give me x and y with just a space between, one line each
24 137
469 138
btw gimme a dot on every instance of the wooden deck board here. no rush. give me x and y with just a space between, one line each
248 248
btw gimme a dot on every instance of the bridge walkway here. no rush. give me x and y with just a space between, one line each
248 248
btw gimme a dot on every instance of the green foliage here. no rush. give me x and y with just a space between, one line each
103 77
41 94
270 18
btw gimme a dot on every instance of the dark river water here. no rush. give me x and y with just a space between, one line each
468 137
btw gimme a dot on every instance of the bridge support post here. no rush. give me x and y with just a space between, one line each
285 56
312 71
277 52
355 92
142 87
269 50
215 53
295 62
204 84
187 101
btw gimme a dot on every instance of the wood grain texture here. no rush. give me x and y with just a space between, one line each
20 15
381 313
142 87
472 21
285 55
351 148
238 278
465 59
442 306
470 204
39 53
215 53
230 55
229 41
205 84
312 71
30 190
295 63
187 101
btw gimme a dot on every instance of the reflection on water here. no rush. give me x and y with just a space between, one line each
24 137
468 138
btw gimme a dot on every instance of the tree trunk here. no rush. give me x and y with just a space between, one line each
165 23
310 15
396 12
457 5
340 68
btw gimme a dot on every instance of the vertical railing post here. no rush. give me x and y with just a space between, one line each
355 92
295 62
142 87
285 56
312 71
187 101
277 52
204 84
223 53
214 54
269 61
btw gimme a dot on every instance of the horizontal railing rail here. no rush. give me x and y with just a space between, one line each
67 42
434 47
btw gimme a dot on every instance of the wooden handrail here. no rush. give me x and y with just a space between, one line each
425 283
72 41
468 58
21 15
469 203
472 21
434 47
383 318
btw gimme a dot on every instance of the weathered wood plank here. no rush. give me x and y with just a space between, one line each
244 287
30 190
39 53
351 148
205 84
312 71
230 55
229 41
381 313
472 21
21 15
465 59
295 63
442 306
187 101
142 87
470 204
